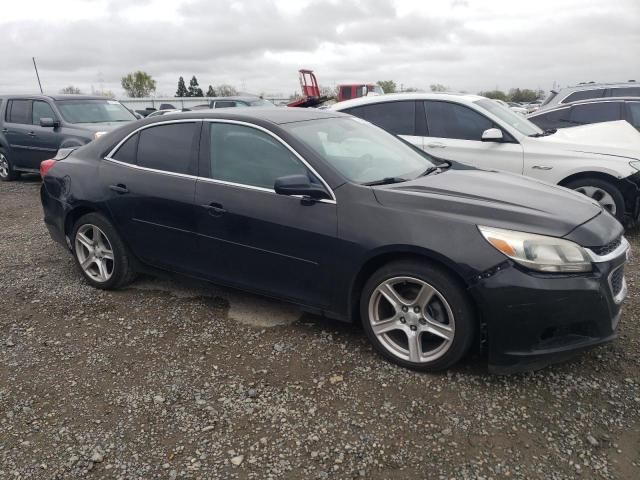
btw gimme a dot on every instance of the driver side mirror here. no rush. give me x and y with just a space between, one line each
49 122
492 135
299 185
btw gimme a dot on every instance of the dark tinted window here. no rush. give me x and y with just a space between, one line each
625 92
167 147
248 156
634 113
42 110
398 118
584 95
127 152
595 112
19 111
345 93
225 104
553 119
449 120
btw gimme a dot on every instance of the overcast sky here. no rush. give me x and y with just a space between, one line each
258 45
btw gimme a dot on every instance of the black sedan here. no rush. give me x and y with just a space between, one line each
334 214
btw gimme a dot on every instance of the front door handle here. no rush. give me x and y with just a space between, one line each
5 130
32 134
215 209
120 188
542 167
436 145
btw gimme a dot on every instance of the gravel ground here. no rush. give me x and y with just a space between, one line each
171 380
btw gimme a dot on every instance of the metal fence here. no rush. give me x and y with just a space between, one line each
178 102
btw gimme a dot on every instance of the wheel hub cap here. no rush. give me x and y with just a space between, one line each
94 253
600 196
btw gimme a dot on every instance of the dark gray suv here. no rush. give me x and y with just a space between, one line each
34 127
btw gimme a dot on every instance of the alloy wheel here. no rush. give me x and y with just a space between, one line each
4 166
411 319
600 196
94 253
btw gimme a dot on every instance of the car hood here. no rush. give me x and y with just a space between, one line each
608 138
494 199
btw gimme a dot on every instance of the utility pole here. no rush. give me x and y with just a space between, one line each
37 74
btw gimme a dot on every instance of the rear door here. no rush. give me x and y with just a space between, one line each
251 237
19 133
404 118
455 133
149 187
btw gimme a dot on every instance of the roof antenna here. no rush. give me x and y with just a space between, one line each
37 75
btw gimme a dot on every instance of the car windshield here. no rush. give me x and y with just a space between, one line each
509 117
261 103
94 111
360 151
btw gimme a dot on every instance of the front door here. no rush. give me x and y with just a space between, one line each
251 237
45 140
149 187
455 133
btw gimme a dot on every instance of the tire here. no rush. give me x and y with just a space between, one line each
449 313
604 192
7 173
96 245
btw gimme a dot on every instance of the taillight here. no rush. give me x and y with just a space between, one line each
45 166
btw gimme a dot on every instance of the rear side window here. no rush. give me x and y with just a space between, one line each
128 151
634 113
169 148
625 92
19 111
345 93
42 110
398 118
225 104
595 113
554 119
584 95
449 120
247 156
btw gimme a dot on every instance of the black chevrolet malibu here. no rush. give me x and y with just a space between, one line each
338 216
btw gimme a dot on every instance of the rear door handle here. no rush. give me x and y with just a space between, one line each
31 134
215 209
436 145
120 188
5 130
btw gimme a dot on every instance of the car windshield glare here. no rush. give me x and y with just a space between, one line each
360 151
94 111
509 117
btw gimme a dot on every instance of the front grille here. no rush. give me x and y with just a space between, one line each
608 248
616 281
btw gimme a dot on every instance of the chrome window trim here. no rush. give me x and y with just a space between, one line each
622 249
114 150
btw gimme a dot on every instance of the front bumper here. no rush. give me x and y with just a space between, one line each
533 320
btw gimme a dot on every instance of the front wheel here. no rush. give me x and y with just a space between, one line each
603 192
100 254
417 315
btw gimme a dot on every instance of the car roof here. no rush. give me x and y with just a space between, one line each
561 106
40 96
244 98
394 97
590 85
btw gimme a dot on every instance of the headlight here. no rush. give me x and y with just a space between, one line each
98 134
538 252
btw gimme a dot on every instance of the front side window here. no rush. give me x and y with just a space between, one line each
225 104
94 111
553 119
398 118
450 120
634 113
19 111
345 92
248 156
584 95
360 151
595 113
42 110
169 147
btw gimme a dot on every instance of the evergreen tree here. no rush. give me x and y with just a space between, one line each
211 92
194 88
182 89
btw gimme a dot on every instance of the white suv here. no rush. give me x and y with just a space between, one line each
600 160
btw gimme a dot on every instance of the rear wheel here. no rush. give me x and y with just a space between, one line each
603 192
102 257
7 173
417 315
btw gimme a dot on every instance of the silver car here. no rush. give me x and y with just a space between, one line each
589 91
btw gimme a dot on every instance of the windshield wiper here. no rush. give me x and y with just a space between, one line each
440 166
386 181
547 132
